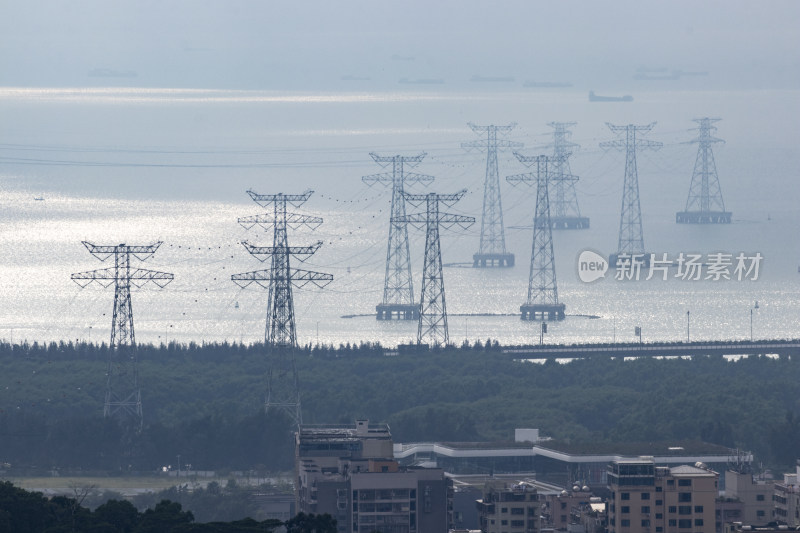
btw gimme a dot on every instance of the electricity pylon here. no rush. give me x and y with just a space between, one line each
492 251
123 396
565 213
631 238
432 309
280 336
398 288
705 205
542 302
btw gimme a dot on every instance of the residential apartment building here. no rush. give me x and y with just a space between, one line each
755 495
646 498
349 473
564 509
786 499
509 508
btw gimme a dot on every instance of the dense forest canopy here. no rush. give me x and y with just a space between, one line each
206 402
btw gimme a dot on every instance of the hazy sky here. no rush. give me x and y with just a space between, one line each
312 44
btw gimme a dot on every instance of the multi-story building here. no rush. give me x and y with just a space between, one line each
349 473
559 462
565 508
755 495
729 510
646 498
787 499
509 508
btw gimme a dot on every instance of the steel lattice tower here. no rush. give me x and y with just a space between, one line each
281 337
432 309
123 396
631 239
565 213
398 288
492 251
705 205
542 302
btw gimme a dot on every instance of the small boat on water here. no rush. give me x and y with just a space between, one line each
493 79
421 81
547 84
39 198
597 98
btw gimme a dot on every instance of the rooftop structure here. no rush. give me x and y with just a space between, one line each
557 462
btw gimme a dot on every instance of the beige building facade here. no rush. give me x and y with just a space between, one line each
646 498
755 495
786 499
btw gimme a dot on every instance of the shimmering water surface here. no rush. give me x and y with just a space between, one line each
137 166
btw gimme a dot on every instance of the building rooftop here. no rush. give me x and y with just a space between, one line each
677 448
362 429
688 470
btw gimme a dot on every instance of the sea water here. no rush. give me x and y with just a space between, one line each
138 166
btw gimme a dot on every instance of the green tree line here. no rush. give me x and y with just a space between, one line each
31 512
205 402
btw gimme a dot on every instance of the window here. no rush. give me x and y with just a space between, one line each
503 522
684 496
673 522
504 509
698 521
563 518
645 523
673 509
659 502
760 514
684 482
625 509
685 509
659 529
563 505
518 523
517 510
659 516
760 497
659 489
698 508
625 523
670 483
645 495
685 523
624 495
645 509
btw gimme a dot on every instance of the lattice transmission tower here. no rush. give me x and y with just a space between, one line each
565 213
542 302
631 237
283 392
398 287
432 328
492 251
704 204
123 397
